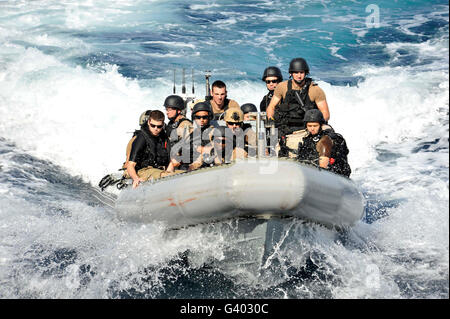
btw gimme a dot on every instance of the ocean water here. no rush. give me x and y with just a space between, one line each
76 75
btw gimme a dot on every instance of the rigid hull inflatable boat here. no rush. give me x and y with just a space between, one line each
254 188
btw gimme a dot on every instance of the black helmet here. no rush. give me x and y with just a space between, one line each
174 101
202 106
314 115
298 64
248 107
272 71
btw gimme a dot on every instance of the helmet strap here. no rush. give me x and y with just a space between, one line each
300 83
173 118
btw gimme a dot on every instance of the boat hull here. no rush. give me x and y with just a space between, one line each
254 188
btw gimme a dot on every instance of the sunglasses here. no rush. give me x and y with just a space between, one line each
202 117
234 123
157 126
271 81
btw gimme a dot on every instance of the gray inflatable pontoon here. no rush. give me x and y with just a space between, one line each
257 188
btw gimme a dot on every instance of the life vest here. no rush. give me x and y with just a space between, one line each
217 116
307 151
339 152
156 152
289 114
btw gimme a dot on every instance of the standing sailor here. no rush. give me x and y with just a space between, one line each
272 76
309 94
291 99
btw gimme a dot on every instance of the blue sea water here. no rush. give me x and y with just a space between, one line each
76 75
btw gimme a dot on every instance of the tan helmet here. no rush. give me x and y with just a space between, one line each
144 117
234 115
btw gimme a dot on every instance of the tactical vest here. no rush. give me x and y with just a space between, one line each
172 126
156 151
265 101
307 151
190 146
217 116
289 114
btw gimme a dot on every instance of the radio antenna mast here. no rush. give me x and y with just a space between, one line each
208 90
174 88
183 85
193 89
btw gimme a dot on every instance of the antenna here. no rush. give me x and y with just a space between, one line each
193 89
174 88
183 86
208 90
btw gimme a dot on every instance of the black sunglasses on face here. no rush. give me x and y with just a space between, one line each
271 81
234 123
203 117
158 126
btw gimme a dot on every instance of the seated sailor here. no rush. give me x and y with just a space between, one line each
248 108
149 155
186 154
219 102
225 149
179 126
243 135
323 148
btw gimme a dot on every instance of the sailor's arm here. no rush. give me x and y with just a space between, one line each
136 148
177 150
317 95
131 169
270 111
323 107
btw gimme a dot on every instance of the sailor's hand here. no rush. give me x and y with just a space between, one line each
269 114
324 161
170 168
137 181
199 149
